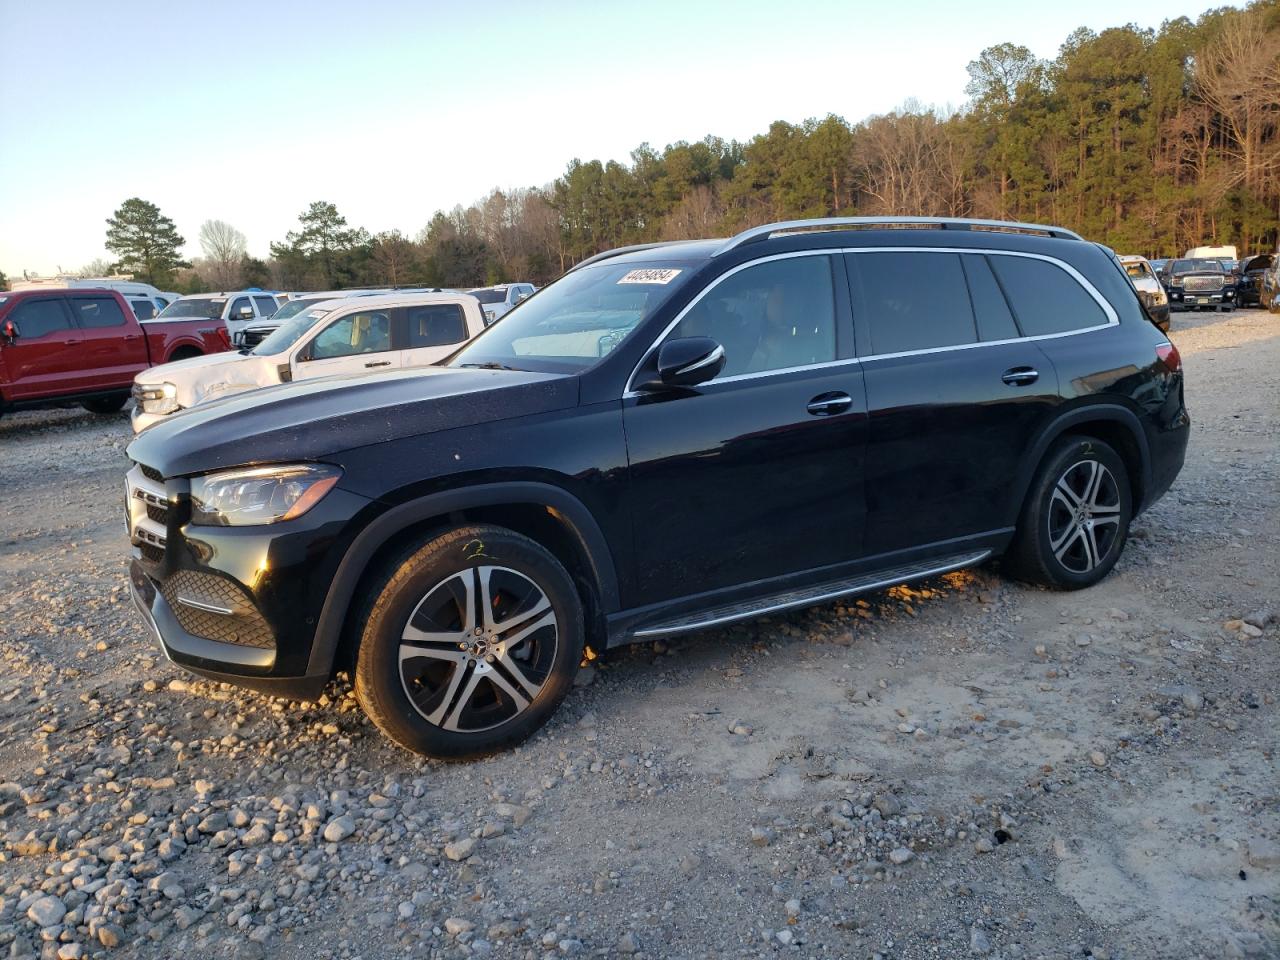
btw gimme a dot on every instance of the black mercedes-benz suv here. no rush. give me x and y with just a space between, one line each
668 438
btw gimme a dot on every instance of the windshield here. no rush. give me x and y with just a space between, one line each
287 334
1196 266
295 307
577 320
489 295
204 308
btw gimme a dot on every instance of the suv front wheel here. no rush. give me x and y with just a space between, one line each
469 643
1076 517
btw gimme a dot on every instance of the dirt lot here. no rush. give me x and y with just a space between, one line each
970 768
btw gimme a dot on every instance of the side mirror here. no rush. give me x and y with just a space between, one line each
11 332
246 313
687 362
521 297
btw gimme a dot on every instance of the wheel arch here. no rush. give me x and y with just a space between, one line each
1111 423
184 350
546 513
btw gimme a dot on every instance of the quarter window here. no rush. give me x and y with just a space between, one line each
436 325
770 316
35 318
95 312
353 334
911 300
143 309
995 322
1045 298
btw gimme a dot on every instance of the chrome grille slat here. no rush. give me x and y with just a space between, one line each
147 510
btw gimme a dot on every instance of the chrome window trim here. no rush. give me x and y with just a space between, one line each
1113 319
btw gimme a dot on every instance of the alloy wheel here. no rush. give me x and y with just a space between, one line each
478 648
1084 516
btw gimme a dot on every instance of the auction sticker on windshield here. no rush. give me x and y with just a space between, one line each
665 275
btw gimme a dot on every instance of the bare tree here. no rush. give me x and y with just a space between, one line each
101 267
697 215
224 248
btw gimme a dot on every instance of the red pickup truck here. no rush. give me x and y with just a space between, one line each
85 346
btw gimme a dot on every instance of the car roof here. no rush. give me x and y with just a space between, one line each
404 299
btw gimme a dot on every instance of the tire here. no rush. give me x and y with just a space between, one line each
1058 542
461 697
105 405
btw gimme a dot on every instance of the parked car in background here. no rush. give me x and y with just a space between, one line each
666 439
144 299
357 335
85 345
1225 252
254 333
1269 292
236 310
1197 284
1158 265
1150 290
1249 279
500 298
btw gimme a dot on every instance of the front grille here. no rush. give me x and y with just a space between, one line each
151 554
1202 284
151 473
147 508
158 514
216 609
251 338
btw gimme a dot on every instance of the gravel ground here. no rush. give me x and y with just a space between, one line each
966 768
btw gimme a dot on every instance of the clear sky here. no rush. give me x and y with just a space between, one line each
248 111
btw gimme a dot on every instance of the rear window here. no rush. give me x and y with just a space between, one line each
436 325
489 295
95 312
198 308
1045 298
911 301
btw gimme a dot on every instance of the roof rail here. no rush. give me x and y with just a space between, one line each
836 223
618 251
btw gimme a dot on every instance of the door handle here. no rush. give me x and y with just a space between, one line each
826 404
379 363
1020 376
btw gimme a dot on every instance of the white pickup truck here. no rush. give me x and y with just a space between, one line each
346 336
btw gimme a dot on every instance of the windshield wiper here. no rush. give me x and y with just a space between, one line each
489 365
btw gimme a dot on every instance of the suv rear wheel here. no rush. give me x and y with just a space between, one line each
469 643
1076 518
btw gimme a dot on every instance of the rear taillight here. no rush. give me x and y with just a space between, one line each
1168 355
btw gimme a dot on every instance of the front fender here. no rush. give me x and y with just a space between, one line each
377 534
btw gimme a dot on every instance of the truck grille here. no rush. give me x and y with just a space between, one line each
251 338
146 511
1201 284
214 608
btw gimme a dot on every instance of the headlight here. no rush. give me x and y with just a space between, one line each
243 498
156 397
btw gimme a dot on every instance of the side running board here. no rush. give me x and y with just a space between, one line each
808 596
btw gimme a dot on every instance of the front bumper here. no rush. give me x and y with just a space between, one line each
237 604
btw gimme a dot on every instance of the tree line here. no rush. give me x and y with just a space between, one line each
1150 141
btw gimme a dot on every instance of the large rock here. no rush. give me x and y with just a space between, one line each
339 828
47 911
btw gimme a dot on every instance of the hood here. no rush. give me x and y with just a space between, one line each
214 374
312 419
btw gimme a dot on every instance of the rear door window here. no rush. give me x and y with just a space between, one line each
436 325
266 306
36 318
995 322
95 312
910 300
1044 297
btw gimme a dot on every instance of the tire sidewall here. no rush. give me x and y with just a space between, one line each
1067 454
378 668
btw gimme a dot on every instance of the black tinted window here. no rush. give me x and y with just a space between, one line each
436 325
94 312
769 316
911 300
143 309
266 306
1045 298
35 318
995 322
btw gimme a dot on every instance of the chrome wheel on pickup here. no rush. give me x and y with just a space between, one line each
469 644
